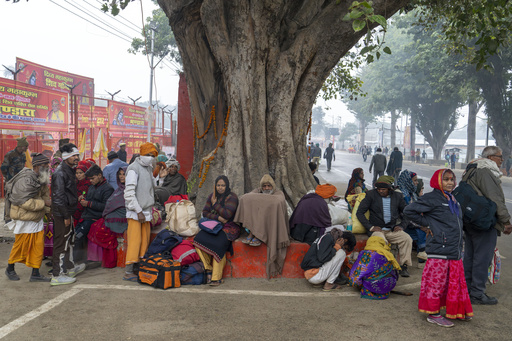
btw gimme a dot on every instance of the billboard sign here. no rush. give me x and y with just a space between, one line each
126 117
26 107
45 77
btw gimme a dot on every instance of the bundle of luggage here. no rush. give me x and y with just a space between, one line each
171 262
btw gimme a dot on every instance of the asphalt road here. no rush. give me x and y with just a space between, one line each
100 306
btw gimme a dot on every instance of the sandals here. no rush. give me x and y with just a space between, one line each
130 277
255 242
247 240
216 283
334 287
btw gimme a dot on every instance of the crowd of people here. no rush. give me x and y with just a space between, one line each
92 207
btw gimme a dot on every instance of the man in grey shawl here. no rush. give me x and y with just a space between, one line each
173 183
264 212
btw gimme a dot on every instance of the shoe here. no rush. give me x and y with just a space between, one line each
89 265
216 283
39 278
341 280
12 275
76 270
484 300
62 280
422 255
440 321
404 272
331 287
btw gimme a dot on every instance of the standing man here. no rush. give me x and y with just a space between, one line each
317 154
121 153
14 161
395 163
110 170
484 176
61 143
453 159
139 196
28 200
379 161
64 202
329 156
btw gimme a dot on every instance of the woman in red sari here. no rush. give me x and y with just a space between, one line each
443 285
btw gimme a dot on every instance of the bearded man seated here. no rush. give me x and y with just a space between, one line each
264 213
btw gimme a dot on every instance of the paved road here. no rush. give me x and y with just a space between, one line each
100 306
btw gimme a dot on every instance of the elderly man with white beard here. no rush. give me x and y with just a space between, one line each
28 200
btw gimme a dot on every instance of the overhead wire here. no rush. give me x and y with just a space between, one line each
136 29
120 16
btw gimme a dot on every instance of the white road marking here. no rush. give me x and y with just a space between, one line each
336 293
19 322
341 172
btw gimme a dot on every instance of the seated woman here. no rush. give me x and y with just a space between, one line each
115 210
221 205
375 270
355 186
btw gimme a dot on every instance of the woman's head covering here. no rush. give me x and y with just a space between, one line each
326 191
148 148
56 161
407 186
222 197
84 165
379 245
436 182
116 200
356 178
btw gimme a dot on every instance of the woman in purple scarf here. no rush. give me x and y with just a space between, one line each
115 210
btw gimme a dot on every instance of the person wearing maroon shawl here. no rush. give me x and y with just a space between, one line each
82 186
311 216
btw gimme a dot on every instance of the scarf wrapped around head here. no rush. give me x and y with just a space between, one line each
267 179
407 186
84 165
355 179
148 148
379 245
56 161
326 191
221 198
116 200
162 158
173 163
436 182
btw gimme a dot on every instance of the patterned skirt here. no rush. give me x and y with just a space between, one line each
443 286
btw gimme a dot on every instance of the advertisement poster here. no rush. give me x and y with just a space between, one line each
92 117
25 107
45 77
126 117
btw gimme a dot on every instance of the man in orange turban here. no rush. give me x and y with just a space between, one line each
326 191
147 149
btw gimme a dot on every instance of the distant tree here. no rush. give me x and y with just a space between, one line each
347 132
318 126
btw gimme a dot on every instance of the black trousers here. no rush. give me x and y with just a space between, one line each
62 246
478 254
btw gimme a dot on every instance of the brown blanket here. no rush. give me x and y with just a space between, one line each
267 218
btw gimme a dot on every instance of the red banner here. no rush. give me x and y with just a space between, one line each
126 117
92 116
45 77
26 107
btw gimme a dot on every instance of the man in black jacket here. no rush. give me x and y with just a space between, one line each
323 261
64 201
386 218
94 203
379 165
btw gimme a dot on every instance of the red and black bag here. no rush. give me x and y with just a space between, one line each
160 271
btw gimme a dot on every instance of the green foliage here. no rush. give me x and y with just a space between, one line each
318 126
349 129
115 6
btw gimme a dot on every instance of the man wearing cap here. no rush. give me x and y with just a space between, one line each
64 201
173 183
28 200
139 196
58 152
387 219
121 153
110 170
14 161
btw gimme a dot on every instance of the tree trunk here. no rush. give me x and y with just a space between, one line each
394 117
413 134
265 61
473 111
362 133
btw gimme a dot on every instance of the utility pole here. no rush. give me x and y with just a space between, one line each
14 73
113 94
74 104
134 100
152 28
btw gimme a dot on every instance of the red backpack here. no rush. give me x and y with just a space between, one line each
185 253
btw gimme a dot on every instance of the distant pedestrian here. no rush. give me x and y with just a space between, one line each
329 156
453 160
508 164
424 156
121 153
317 154
418 153
379 165
395 163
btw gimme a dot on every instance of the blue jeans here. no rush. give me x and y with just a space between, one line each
419 236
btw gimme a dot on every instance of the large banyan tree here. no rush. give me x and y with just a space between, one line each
263 62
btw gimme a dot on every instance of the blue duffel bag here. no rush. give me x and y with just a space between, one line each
193 274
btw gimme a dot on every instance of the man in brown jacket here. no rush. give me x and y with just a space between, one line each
480 245
28 200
